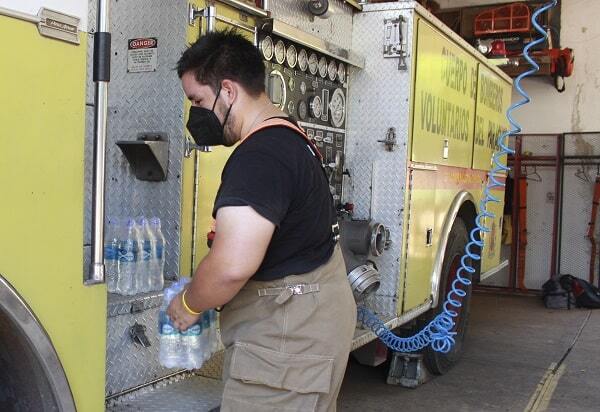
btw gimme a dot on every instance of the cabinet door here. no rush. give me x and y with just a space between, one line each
444 100
419 251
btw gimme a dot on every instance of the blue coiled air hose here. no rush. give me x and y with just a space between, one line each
438 333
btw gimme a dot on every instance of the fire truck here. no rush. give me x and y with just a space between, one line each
92 125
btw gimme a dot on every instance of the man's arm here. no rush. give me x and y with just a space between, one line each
241 240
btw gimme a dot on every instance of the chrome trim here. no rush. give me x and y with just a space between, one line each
292 33
255 11
234 23
363 279
493 270
210 14
363 336
195 211
19 15
29 325
423 166
436 273
96 274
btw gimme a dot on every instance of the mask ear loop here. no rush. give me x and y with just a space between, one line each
216 97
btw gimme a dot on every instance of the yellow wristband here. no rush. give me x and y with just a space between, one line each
185 305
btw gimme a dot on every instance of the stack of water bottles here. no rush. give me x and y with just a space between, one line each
134 255
187 349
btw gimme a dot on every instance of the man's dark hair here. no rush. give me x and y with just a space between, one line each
224 55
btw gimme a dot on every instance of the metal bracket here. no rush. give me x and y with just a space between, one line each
191 146
194 13
138 334
394 40
390 139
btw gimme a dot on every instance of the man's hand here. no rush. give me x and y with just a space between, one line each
180 317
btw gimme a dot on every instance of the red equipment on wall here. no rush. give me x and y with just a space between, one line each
513 18
561 66
592 228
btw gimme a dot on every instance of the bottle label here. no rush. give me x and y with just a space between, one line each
128 251
147 250
194 330
159 250
110 252
168 329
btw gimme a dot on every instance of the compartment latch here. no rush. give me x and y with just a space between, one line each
138 334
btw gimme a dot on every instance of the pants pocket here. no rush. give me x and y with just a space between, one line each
261 379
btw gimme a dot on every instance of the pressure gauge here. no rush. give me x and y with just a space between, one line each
302 110
276 89
266 47
337 107
291 84
291 56
341 72
303 88
291 106
280 52
303 60
323 67
313 62
316 107
332 70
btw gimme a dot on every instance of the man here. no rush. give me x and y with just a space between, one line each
289 314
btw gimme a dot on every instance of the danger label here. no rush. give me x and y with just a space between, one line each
141 55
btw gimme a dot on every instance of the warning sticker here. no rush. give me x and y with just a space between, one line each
141 55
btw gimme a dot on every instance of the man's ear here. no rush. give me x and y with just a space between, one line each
229 91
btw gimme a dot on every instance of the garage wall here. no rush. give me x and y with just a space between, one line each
575 110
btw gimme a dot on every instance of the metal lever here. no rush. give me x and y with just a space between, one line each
138 334
190 147
390 139
193 14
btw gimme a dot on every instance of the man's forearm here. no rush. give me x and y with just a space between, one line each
213 285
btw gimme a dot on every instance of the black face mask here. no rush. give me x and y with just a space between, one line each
204 125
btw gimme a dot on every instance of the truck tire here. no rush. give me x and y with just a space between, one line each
439 363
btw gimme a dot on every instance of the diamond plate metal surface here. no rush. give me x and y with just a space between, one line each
139 102
129 364
181 394
336 29
379 99
213 368
151 101
578 189
124 305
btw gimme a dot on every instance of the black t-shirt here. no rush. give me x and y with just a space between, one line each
276 173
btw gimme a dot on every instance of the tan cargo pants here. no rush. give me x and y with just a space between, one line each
288 352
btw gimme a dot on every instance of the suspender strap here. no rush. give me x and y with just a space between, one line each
282 122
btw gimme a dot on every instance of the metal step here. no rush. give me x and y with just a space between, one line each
183 393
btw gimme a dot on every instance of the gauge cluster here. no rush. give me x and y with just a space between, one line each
311 87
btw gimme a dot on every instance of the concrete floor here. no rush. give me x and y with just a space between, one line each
519 356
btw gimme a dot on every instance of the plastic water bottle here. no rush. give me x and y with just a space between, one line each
128 254
111 254
214 339
157 274
145 265
206 336
193 345
170 353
